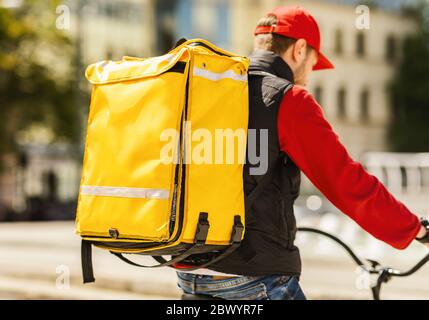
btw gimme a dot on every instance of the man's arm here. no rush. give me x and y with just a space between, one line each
310 141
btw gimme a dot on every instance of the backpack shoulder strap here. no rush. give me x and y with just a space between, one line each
284 86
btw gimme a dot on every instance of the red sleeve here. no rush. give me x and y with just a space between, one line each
310 141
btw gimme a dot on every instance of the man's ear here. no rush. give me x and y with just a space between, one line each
300 50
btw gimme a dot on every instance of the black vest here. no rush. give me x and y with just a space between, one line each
268 245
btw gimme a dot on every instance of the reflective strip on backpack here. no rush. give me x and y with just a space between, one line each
124 192
229 74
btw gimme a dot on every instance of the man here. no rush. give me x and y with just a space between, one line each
267 265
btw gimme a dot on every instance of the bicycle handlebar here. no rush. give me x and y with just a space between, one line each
375 266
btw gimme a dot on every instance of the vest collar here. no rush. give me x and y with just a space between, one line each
262 60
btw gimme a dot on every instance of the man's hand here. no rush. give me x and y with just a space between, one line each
422 233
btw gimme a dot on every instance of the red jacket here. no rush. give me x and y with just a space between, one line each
310 141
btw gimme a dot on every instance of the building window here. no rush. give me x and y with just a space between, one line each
364 105
109 53
360 44
119 10
318 94
50 186
338 42
341 103
166 23
391 50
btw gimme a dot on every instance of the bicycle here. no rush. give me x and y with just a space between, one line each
385 274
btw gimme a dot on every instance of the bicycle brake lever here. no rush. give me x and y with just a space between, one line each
374 264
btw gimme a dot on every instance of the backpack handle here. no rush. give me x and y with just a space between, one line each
199 43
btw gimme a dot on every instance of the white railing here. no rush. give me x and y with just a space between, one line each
406 175
401 172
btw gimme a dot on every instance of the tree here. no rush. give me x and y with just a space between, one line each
37 80
409 130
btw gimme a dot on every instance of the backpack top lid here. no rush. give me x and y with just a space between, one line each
133 68
106 72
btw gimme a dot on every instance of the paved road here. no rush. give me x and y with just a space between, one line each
42 261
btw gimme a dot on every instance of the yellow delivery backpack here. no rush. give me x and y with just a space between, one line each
164 154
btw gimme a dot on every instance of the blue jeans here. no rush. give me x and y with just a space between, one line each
273 287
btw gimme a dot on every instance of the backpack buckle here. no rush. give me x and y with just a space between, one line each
202 229
237 230
114 233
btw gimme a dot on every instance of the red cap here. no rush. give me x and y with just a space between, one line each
297 23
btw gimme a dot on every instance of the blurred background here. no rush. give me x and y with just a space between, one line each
377 99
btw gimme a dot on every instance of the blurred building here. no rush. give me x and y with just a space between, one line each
42 181
110 29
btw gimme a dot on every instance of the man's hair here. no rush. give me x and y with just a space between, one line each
271 41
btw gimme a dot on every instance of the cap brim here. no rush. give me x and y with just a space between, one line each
323 63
